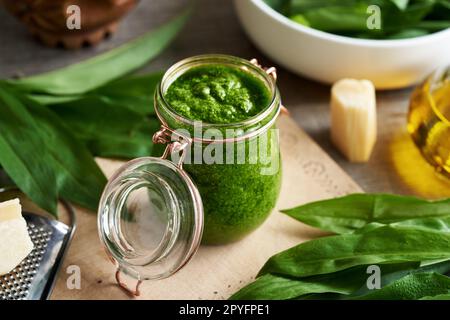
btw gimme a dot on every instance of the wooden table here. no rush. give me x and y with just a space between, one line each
214 28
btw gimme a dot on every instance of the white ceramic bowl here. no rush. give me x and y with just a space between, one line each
326 57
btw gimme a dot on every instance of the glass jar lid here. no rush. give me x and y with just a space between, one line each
150 219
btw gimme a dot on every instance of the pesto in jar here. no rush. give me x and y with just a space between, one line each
236 197
217 94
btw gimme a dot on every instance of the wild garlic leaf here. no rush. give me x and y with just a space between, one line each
108 128
338 19
345 282
412 287
134 92
381 245
444 296
131 92
274 287
22 153
398 18
349 213
90 74
78 177
401 4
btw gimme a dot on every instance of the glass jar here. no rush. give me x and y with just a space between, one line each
215 183
429 120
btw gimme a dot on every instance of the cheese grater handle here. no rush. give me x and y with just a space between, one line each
62 251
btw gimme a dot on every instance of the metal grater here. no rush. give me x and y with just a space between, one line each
35 277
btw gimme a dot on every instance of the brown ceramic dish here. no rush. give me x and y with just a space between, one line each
47 19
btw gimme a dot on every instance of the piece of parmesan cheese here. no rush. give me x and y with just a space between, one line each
353 118
15 242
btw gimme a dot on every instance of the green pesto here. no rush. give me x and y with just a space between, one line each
217 94
236 197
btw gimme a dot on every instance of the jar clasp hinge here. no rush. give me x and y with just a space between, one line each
176 143
272 71
132 292
136 292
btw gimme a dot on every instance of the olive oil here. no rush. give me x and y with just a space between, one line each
429 120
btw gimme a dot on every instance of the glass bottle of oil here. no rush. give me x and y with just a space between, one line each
429 120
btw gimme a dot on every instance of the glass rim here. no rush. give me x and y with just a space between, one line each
216 59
